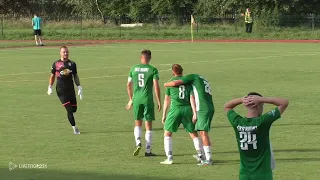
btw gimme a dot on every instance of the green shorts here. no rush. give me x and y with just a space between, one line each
143 112
266 176
204 120
178 115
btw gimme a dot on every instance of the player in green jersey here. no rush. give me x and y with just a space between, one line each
182 111
143 77
204 107
252 134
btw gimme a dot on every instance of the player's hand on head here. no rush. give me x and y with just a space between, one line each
246 101
129 105
252 100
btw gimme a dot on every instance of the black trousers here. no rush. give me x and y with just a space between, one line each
249 27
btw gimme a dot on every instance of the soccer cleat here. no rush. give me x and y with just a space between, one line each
198 158
137 150
205 163
167 161
149 154
76 131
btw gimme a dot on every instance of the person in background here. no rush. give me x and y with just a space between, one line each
36 23
248 18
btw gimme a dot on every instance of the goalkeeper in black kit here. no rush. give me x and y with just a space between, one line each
66 72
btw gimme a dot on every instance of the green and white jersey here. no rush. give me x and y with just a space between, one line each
142 76
180 96
201 91
252 135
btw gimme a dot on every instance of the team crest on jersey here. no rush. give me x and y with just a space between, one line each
273 112
69 63
65 72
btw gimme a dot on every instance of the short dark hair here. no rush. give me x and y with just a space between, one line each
146 53
63 47
177 69
254 94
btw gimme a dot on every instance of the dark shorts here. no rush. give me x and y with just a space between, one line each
37 32
67 96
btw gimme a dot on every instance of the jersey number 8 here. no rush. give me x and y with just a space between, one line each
246 139
207 87
182 90
141 80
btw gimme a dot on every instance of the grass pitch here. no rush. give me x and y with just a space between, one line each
34 128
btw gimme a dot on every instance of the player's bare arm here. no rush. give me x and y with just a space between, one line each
51 79
194 109
166 105
130 94
157 92
173 83
232 104
281 103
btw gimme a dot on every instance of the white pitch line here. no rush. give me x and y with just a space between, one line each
192 62
97 77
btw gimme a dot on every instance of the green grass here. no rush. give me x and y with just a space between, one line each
12 44
34 127
21 30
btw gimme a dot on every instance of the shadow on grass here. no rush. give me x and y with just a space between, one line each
182 129
46 174
233 161
277 150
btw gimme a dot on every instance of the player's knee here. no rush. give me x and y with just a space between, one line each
74 109
203 133
167 134
193 135
148 125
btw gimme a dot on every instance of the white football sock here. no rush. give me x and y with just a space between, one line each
74 128
137 134
198 146
207 152
168 146
148 137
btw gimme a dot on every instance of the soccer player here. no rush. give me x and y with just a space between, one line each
252 134
182 110
36 23
66 71
204 107
143 77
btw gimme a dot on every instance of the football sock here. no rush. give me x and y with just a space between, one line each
198 146
74 128
168 146
207 151
70 114
137 134
148 137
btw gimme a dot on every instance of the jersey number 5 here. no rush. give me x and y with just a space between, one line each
141 80
248 139
182 90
